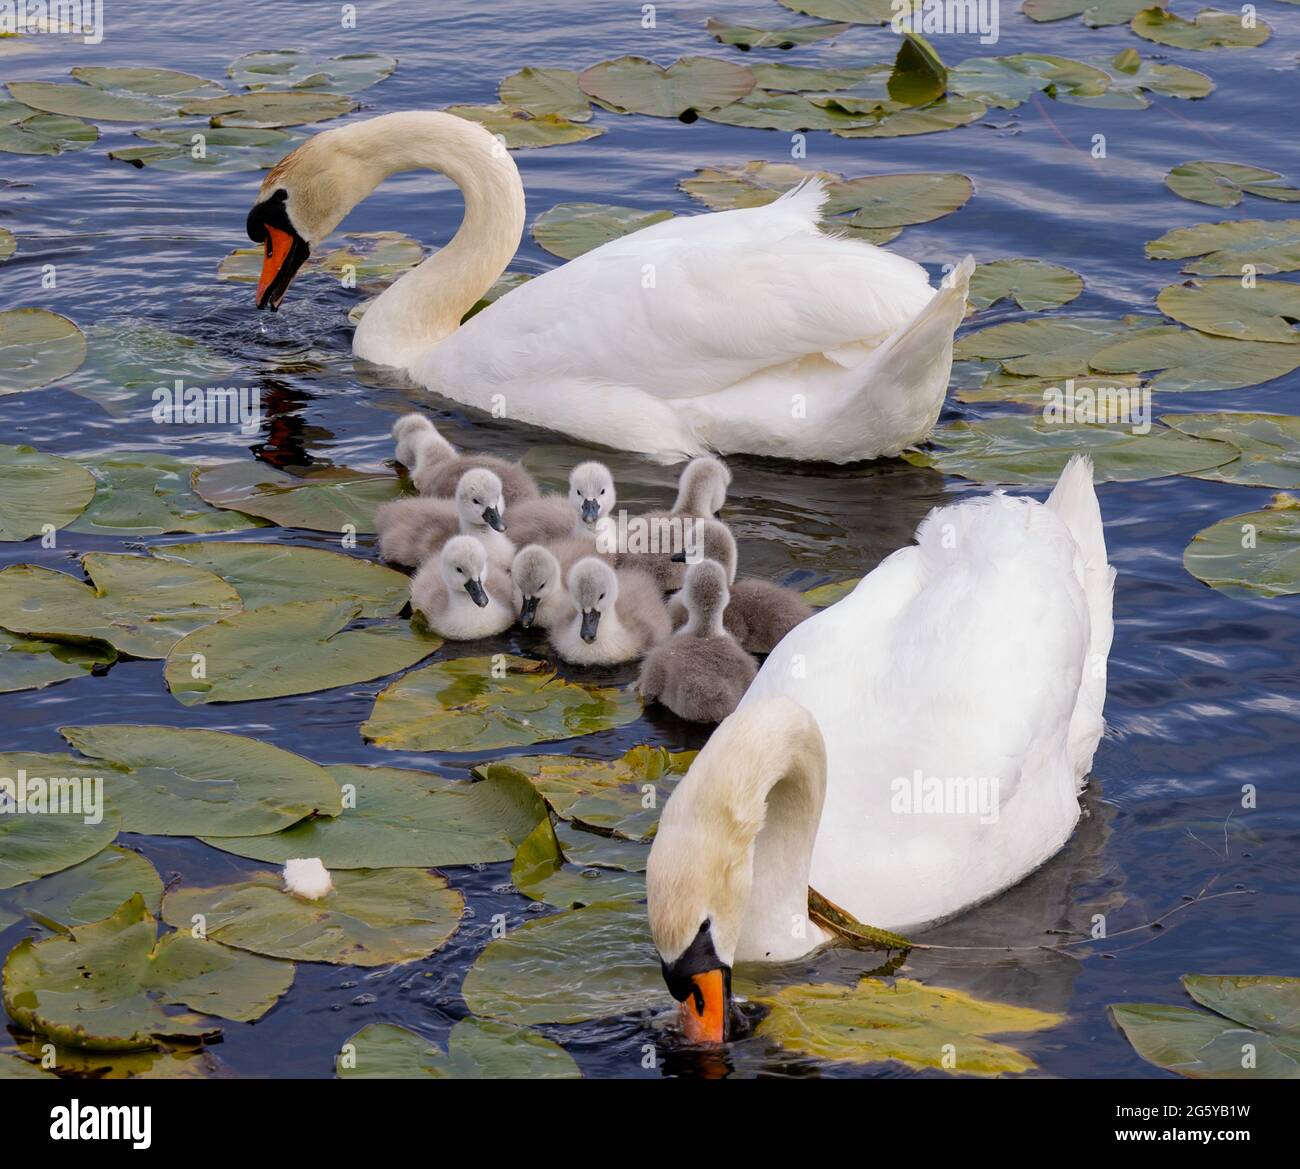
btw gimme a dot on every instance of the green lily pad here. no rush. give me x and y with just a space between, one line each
1192 361
1132 76
568 230
165 781
904 1022
463 705
763 109
216 149
1095 14
540 874
154 1063
327 499
583 964
1269 446
1097 397
24 130
8 244
298 647
825 595
1256 553
270 110
37 347
1259 1012
139 605
275 574
521 130
141 493
995 81
1211 29
1033 284
301 70
1046 347
689 86
608 795
14 1067
36 844
1266 311
853 11
919 76
945 114
1222 184
546 91
372 917
115 95
777 77
370 260
89 891
1224 249
395 818
748 184
30 663
104 985
899 200
595 850
39 492
1022 449
746 38
477 1049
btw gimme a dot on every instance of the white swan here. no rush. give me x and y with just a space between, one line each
948 709
745 331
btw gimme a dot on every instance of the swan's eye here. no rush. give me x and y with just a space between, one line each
461 571
478 503
601 597
602 491
540 587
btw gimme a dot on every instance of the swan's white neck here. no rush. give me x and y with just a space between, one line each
426 304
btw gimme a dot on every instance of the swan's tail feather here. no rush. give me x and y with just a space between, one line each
806 198
1074 499
901 388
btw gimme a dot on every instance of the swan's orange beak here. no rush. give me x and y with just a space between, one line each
704 1011
285 253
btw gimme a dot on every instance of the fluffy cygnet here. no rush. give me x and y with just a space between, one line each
618 616
436 466
461 595
412 530
539 594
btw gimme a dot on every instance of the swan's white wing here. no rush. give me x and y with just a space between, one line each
960 660
692 306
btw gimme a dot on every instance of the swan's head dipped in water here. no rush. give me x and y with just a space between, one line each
591 491
593 585
480 500
727 878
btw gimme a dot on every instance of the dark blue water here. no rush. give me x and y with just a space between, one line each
1203 687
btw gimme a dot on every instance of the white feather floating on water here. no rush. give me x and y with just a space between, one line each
307 878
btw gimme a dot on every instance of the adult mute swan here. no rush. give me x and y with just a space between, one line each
744 331
908 752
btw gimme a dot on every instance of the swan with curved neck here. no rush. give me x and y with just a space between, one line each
748 331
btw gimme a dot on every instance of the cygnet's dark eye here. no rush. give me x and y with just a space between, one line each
478 503
602 491
461 571
540 587
601 597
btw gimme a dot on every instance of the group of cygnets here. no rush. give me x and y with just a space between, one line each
491 550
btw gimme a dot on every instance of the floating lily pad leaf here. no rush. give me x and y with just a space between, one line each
485 703
1254 553
690 85
8 244
369 260
748 184
898 200
1049 348
217 149
1266 311
394 818
1211 29
298 647
1259 1011
1098 397
1033 284
546 91
115 95
540 874
140 493
745 38
903 1022
568 230
1224 249
1222 184
14 1067
24 130
274 574
372 917
1024 449
1269 446
39 492
621 796
170 782
298 69
270 110
1189 360
853 11
777 77
104 986
919 76
1130 76
28 663
89 891
762 109
139 605
592 963
477 1049
994 81
37 347
172 1063
328 499
595 850
34 844
1095 14
945 114
827 594
522 130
